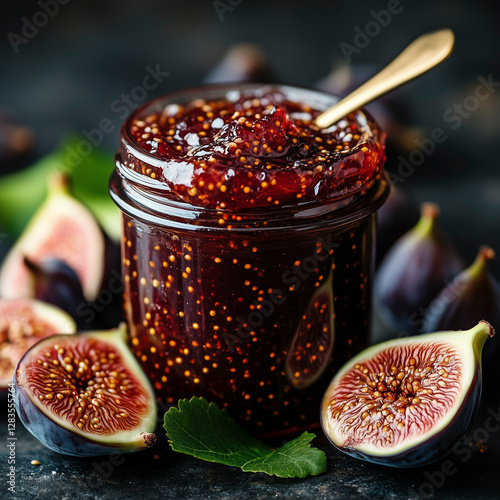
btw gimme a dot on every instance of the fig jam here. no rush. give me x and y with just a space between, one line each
247 247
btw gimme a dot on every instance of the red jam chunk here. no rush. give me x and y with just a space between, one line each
251 151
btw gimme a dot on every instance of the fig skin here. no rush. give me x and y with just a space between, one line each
58 284
434 442
243 62
394 218
416 268
472 295
61 434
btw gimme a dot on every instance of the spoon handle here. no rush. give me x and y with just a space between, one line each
420 56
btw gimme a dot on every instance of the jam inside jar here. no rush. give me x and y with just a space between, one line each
247 246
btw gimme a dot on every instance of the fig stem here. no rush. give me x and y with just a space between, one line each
58 182
34 268
483 258
481 332
429 213
148 438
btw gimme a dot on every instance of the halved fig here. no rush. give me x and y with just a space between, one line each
85 394
64 229
407 402
24 322
312 344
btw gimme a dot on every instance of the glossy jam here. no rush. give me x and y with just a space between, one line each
256 152
247 250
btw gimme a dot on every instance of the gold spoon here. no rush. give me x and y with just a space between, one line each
420 56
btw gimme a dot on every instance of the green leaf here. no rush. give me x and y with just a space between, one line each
206 432
23 192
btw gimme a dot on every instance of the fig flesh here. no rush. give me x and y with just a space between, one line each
312 344
85 395
414 271
24 322
64 229
408 401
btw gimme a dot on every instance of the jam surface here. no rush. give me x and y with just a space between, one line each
256 149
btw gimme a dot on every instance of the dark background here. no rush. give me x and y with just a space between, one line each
67 76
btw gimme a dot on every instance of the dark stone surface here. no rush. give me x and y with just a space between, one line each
161 473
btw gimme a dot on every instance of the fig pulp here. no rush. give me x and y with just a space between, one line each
408 401
312 345
22 324
63 229
414 271
85 395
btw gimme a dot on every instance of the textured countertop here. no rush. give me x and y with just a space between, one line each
469 472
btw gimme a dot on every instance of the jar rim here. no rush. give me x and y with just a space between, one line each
138 194
204 91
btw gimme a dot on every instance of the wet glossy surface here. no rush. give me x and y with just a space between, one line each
254 149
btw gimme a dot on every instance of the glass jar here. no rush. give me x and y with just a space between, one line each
253 309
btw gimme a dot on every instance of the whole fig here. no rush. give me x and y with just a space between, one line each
414 271
243 62
472 295
57 284
394 218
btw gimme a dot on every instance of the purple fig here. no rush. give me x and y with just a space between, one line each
414 271
57 284
394 218
243 62
473 294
